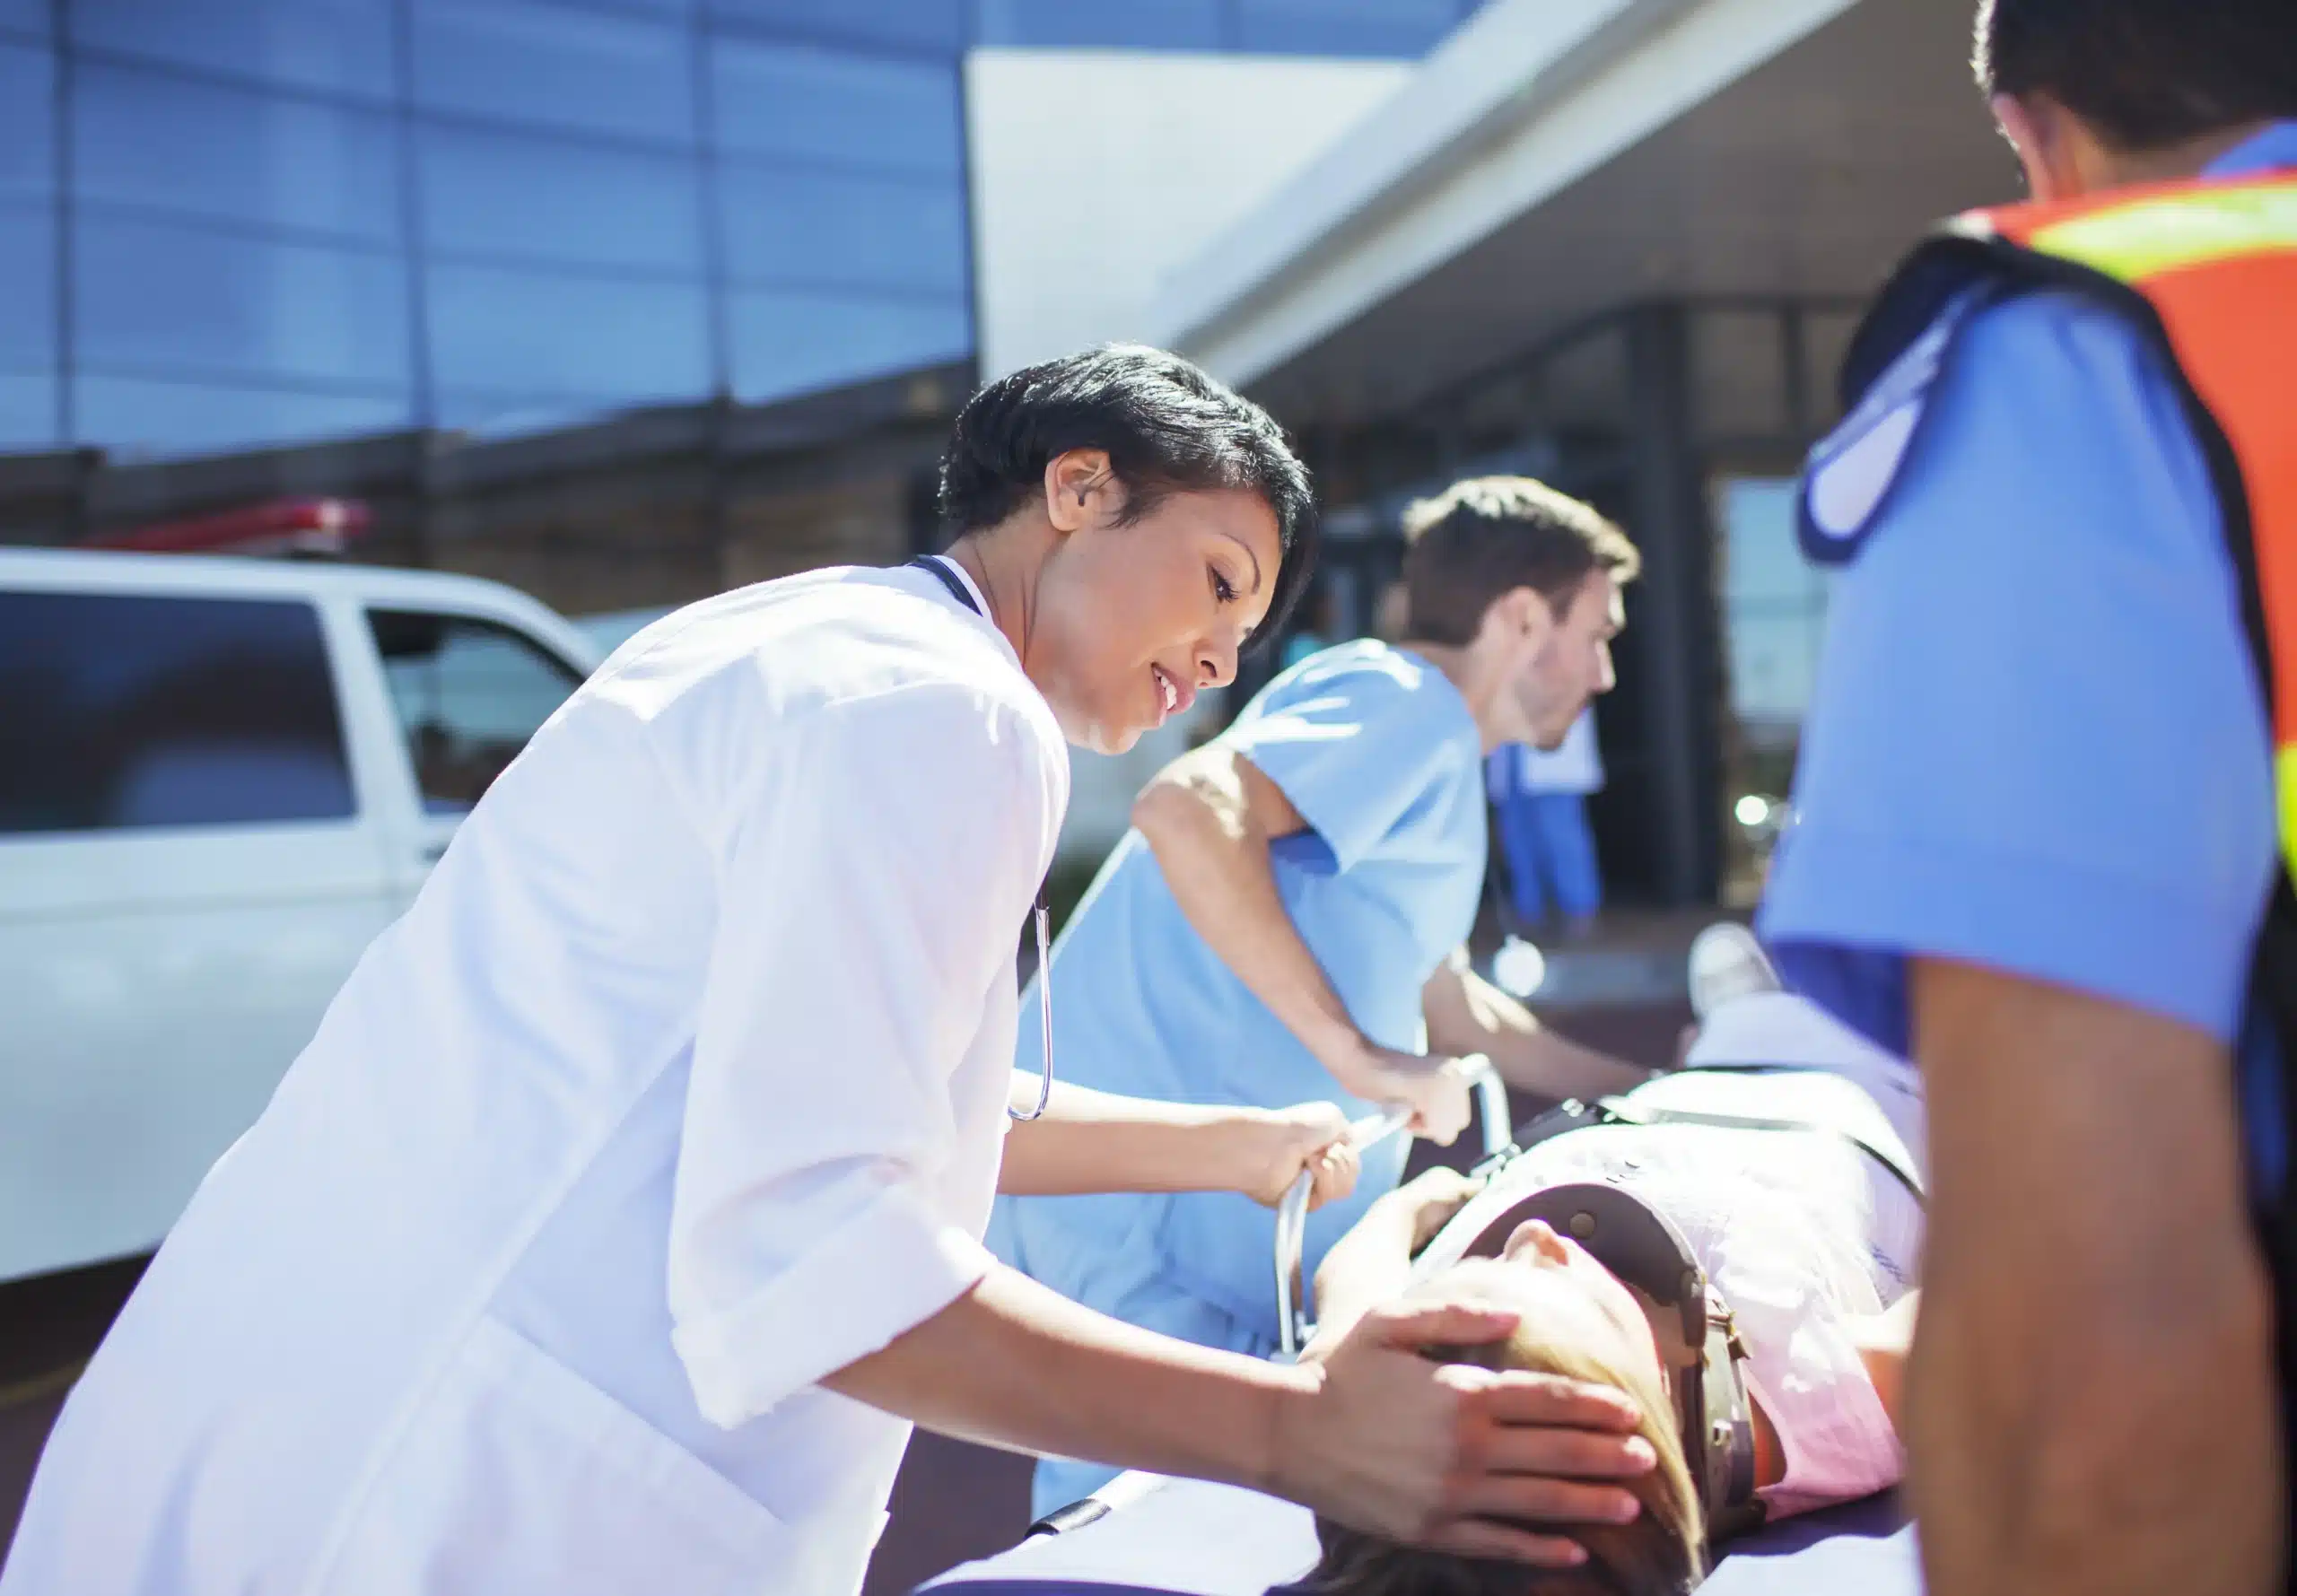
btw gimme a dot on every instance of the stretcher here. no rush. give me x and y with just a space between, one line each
1186 1538
1146 1535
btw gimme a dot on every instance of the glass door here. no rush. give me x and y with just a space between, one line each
1774 608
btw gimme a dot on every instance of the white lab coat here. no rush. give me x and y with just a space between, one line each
680 1087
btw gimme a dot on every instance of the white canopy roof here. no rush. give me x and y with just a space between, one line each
1556 158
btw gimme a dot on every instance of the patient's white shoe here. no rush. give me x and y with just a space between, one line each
1726 962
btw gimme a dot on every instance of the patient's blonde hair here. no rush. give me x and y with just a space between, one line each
1661 1553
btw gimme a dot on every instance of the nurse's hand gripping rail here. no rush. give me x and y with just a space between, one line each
1293 1310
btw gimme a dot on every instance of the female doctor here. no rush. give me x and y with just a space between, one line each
625 1211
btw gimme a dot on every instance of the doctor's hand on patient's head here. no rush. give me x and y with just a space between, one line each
1455 1458
1280 1143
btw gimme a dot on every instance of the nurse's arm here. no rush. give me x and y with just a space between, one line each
2090 1404
1209 818
1466 1014
1374 1435
1372 1263
1099 1141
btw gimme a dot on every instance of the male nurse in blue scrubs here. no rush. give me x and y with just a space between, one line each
2034 841
1286 922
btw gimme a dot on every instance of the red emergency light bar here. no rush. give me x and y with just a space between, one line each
280 526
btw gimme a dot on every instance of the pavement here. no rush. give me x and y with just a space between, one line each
1620 990
48 1329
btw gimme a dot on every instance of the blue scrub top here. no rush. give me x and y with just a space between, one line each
1382 757
2038 741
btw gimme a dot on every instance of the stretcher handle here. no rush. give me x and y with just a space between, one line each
1118 1495
1293 1315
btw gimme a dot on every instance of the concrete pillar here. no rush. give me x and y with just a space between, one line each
1674 643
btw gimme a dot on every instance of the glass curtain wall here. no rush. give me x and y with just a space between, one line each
229 223
1774 613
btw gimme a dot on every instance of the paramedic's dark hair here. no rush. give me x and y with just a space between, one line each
2144 74
1481 540
1167 427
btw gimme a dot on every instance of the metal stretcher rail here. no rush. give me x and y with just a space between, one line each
1294 1320
1292 1304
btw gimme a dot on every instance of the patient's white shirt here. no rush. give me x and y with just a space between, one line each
1800 1232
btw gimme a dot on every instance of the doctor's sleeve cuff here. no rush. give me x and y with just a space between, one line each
2126 939
885 1271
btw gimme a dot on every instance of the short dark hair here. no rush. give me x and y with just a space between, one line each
1481 539
2144 74
1167 428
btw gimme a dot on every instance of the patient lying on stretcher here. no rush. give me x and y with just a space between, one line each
1808 1236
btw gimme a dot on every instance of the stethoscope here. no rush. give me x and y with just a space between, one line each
944 573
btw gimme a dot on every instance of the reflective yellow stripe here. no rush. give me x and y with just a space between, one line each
2136 242
2286 769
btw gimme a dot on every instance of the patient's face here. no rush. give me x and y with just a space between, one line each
1557 1287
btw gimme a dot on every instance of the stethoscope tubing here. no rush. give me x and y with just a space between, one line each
937 567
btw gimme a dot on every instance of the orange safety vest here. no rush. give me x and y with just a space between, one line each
2218 264
2205 270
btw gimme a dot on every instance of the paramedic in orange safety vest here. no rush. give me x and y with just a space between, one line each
2037 840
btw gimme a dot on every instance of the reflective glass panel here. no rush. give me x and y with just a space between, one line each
154 417
24 17
531 332
489 413
1139 24
806 102
1773 668
787 344
664 8
340 47
468 695
1397 28
166 298
834 229
1762 561
27 410
513 196
27 287
1774 625
555 67
124 710
155 140
920 24
27 121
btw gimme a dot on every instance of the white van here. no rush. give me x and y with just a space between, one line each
219 778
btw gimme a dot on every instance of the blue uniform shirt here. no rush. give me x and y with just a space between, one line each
1381 756
2038 741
